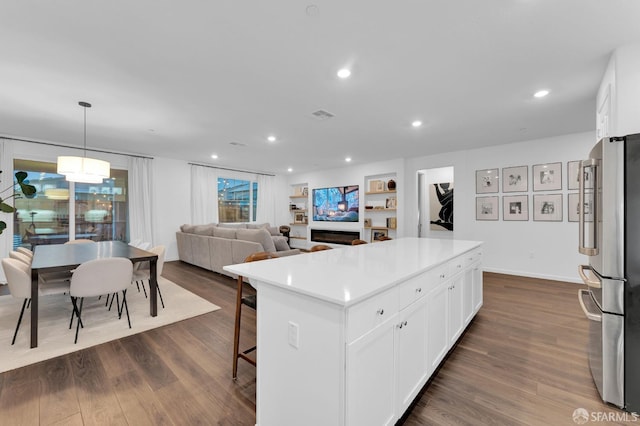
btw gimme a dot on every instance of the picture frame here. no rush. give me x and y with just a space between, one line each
367 222
573 169
376 186
515 179
573 207
547 177
390 203
487 208
376 233
299 217
547 207
515 208
305 191
487 181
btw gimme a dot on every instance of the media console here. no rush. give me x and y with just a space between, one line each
349 336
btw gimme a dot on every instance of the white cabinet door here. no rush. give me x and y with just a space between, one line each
437 324
370 377
477 286
455 309
467 296
411 352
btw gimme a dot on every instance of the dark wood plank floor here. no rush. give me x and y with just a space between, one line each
521 362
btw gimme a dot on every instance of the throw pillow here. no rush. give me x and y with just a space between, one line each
187 229
229 233
280 243
203 230
261 236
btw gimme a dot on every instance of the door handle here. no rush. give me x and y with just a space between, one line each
590 315
589 251
588 281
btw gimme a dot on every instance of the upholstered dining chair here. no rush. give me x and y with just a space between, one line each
97 277
252 302
19 279
25 251
20 257
320 247
143 273
357 242
80 241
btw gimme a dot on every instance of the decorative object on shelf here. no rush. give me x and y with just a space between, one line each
305 191
547 177
392 222
487 181
487 208
390 203
368 207
441 206
515 207
378 233
515 179
573 168
376 186
299 217
84 169
547 207
367 222
391 185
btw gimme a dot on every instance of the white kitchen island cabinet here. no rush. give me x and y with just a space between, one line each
349 336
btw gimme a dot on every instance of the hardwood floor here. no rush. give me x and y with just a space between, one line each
521 362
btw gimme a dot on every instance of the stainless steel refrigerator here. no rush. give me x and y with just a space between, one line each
609 212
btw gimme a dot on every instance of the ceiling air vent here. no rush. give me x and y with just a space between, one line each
237 144
322 114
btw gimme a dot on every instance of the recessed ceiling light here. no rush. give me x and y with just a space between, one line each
348 159
541 93
344 73
289 169
214 156
417 123
271 138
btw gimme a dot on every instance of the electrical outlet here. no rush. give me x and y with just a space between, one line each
294 334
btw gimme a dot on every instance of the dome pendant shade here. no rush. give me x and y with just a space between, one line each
83 169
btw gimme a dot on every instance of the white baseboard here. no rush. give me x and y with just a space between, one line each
575 279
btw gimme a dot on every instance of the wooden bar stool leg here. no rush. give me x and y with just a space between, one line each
236 335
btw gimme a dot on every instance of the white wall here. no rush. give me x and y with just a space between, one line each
537 249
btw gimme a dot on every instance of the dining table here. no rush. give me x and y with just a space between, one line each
66 257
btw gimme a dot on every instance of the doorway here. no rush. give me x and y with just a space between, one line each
435 202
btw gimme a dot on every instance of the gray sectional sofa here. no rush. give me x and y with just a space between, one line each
214 246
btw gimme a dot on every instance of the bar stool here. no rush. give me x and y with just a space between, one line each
320 247
252 302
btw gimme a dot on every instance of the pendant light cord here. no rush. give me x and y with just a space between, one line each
85 105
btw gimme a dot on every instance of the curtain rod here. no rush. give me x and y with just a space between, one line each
233 170
75 147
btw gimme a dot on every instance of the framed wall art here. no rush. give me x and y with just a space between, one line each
299 217
547 208
515 179
573 207
487 181
377 233
487 208
573 169
515 207
547 177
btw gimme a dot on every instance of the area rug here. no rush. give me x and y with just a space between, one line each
100 325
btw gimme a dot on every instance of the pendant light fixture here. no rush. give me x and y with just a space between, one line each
83 169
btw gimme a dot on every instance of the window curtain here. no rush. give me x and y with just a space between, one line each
140 227
204 195
266 205
6 181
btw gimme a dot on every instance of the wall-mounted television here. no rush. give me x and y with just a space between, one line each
336 204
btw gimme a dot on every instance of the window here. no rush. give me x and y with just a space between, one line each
96 211
237 200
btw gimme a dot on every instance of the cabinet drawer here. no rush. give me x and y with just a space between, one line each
370 313
456 265
472 256
420 285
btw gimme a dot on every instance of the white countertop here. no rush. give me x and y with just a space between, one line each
345 276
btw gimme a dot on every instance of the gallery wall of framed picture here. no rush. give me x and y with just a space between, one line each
529 193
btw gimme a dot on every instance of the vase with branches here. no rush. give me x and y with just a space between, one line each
20 188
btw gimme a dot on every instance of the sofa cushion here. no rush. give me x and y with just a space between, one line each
187 229
257 225
229 233
280 242
274 230
206 230
261 236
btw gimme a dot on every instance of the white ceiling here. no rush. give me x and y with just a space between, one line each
184 79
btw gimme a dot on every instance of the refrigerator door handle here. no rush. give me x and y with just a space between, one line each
585 279
589 251
590 315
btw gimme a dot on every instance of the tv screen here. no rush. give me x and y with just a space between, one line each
337 204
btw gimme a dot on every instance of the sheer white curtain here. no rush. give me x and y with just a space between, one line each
266 205
204 195
6 165
140 199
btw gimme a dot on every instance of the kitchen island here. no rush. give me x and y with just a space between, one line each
349 336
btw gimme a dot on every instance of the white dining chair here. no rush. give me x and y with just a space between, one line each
143 273
19 279
98 277
20 257
25 251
